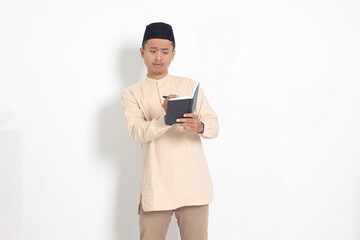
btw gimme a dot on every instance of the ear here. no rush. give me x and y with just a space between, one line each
142 52
173 54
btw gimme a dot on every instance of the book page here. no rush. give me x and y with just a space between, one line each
186 97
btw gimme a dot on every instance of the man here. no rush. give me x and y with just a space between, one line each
174 174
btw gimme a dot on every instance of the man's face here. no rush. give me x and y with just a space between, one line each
157 55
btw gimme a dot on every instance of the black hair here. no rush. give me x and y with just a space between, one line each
144 42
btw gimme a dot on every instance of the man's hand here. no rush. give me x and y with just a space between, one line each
191 123
164 105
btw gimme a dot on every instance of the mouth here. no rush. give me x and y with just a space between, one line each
157 65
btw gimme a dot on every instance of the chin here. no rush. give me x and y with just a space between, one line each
159 72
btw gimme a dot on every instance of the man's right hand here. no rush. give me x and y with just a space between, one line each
164 105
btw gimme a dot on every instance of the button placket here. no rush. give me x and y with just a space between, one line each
159 96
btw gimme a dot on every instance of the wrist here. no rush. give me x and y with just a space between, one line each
201 128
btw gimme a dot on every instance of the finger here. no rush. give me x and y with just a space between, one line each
187 125
172 96
189 129
164 105
181 120
190 115
186 120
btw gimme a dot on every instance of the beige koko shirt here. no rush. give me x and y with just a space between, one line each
174 171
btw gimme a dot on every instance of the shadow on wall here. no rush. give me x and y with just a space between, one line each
125 154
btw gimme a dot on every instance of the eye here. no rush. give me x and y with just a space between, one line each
165 52
152 51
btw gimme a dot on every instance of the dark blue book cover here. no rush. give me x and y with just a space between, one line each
177 107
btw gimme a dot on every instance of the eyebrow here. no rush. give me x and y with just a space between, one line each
160 48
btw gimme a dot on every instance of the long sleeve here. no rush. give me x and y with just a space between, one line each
207 116
140 129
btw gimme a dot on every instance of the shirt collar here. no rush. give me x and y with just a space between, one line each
157 80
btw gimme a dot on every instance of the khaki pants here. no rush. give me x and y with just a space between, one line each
192 222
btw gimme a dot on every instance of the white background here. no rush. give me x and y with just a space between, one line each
283 77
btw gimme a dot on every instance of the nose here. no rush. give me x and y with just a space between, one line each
158 55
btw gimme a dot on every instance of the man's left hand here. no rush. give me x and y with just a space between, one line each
191 123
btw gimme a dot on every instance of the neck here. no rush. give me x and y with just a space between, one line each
160 76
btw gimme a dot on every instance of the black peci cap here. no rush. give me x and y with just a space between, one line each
159 30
